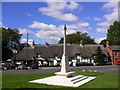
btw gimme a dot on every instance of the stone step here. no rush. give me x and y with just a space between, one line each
77 77
84 81
80 79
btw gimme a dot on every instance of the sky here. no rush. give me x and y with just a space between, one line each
44 21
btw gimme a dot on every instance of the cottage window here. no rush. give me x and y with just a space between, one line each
39 55
116 60
78 57
116 53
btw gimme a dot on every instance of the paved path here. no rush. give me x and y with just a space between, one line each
109 69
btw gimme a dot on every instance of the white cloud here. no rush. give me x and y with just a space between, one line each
25 41
49 36
52 36
25 31
72 5
87 18
102 30
56 10
81 26
84 24
47 32
96 19
104 24
70 31
0 24
52 33
98 40
29 14
40 25
68 17
110 17
110 5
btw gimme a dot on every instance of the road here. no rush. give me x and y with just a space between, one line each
109 69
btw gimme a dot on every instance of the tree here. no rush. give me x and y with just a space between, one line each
10 42
99 57
113 34
75 38
103 42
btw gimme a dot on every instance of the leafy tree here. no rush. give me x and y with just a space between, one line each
103 42
10 42
113 34
75 38
99 57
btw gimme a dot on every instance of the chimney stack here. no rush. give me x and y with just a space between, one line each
46 44
33 44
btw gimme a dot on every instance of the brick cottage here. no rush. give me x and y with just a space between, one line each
114 52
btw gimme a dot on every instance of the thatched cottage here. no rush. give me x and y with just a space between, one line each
51 55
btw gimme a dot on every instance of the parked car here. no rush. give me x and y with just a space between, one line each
117 62
21 66
5 66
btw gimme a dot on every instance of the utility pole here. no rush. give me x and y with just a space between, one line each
27 50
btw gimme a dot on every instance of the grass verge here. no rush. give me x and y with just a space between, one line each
103 80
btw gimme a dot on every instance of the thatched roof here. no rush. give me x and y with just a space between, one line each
89 50
22 55
115 47
51 51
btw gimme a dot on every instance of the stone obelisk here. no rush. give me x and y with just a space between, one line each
64 62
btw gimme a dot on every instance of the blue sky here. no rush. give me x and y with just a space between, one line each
44 20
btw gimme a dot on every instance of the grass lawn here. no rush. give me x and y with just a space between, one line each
103 80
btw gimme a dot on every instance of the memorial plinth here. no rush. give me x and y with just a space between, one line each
64 63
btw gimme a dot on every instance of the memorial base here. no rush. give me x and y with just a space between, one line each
67 74
59 80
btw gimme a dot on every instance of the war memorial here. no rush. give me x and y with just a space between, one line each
65 77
